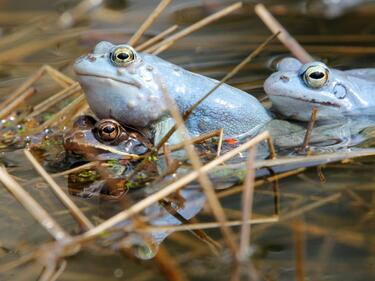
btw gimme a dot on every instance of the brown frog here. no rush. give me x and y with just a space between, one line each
104 140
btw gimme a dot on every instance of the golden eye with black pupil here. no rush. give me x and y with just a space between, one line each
315 76
108 130
122 56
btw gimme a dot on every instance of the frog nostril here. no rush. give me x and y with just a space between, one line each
91 57
284 78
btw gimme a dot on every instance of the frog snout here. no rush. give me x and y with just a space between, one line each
80 60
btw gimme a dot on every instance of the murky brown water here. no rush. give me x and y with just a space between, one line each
338 241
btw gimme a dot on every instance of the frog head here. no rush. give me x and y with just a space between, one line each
103 140
295 89
120 84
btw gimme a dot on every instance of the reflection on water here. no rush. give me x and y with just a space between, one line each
332 208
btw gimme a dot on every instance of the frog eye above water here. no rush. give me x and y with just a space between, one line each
108 130
122 56
316 76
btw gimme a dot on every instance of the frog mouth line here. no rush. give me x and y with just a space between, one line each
134 84
324 103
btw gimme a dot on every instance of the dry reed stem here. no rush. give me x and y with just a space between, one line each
299 250
173 187
220 143
310 207
148 22
15 103
24 50
198 233
309 129
233 72
271 147
203 179
156 38
289 42
70 17
18 262
358 199
209 225
16 35
58 77
45 220
74 105
261 182
163 48
315 160
60 270
21 89
83 110
77 169
247 205
196 26
24 91
346 237
51 101
76 213
51 273
195 140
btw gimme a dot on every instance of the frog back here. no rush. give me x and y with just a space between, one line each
236 111
367 74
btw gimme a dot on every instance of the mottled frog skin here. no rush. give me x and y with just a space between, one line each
131 93
295 89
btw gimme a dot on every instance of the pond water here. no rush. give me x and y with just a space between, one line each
329 212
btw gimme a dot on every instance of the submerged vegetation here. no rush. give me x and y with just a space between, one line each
294 202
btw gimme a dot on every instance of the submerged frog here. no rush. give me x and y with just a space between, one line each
295 89
103 140
127 86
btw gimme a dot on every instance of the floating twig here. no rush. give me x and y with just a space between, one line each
208 225
67 202
289 42
41 215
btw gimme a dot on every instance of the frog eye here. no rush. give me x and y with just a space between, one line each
122 56
108 130
316 76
